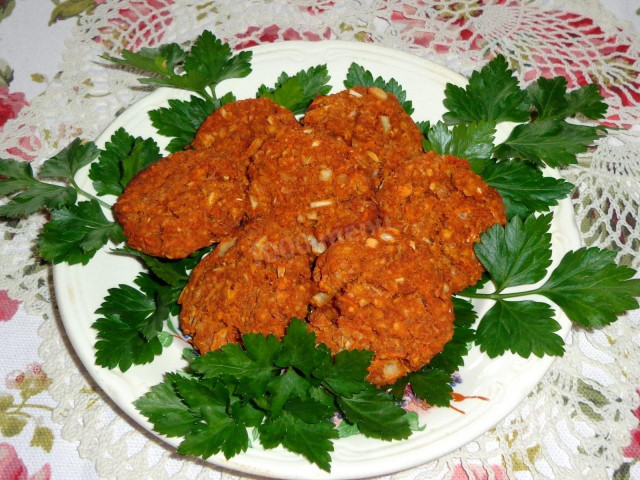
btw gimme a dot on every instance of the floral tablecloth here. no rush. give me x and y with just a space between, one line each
54 424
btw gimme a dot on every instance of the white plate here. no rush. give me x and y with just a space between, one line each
505 381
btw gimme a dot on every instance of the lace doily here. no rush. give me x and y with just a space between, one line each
578 419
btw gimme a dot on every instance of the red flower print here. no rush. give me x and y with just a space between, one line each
10 104
633 450
8 306
478 472
274 33
320 7
13 468
142 23
27 145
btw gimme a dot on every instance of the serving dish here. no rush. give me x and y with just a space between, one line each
503 381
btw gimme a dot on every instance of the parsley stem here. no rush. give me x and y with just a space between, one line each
207 96
214 97
88 195
500 296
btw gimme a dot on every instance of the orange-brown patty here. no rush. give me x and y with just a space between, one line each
312 180
184 202
246 286
234 127
369 119
378 293
446 206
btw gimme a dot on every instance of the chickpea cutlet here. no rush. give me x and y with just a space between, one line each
341 219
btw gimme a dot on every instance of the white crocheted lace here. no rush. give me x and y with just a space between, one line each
576 422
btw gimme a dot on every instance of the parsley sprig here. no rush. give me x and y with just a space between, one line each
121 159
132 320
199 69
542 137
204 66
357 75
288 390
29 195
587 285
76 230
297 92
181 119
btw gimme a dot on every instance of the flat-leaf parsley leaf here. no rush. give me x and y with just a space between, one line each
266 384
359 76
492 94
297 92
75 233
121 159
31 195
182 118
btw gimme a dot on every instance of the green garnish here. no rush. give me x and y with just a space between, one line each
208 63
288 390
182 118
473 141
31 195
523 187
138 315
75 233
297 92
548 142
587 285
544 137
550 100
122 158
492 95
359 76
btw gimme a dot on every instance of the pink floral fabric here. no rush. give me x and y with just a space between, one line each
8 306
479 472
633 449
10 104
150 17
13 468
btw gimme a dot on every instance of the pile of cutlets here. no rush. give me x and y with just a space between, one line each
340 219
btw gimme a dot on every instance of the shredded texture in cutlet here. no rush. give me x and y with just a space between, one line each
313 180
382 295
371 120
251 284
446 206
184 202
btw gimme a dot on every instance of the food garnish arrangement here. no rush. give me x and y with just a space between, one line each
321 250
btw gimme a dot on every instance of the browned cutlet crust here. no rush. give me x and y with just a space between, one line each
184 202
377 292
243 125
312 180
369 119
446 206
246 286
